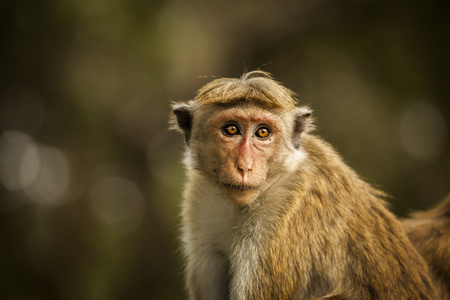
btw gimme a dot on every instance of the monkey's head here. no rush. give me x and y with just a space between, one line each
240 132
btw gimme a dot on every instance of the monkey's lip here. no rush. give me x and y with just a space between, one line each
238 187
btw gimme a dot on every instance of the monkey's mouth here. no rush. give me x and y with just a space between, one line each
240 194
238 187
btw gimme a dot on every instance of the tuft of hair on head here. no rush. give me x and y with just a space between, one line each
253 87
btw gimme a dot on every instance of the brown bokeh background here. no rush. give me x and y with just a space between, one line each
90 176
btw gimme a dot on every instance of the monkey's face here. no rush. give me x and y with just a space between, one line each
239 147
242 147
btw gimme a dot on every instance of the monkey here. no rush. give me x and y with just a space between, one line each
271 211
429 231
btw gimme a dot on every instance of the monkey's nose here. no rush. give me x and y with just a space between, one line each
244 170
244 165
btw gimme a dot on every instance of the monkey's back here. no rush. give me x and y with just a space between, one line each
352 216
429 232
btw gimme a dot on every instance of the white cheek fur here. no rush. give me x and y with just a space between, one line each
296 157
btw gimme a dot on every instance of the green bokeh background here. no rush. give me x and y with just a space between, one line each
90 176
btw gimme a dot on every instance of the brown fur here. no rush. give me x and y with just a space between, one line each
429 231
299 224
252 86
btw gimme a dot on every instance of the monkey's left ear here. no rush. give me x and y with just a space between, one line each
182 119
302 123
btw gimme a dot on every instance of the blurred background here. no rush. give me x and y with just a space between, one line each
90 176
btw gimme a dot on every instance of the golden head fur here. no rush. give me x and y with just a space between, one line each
255 86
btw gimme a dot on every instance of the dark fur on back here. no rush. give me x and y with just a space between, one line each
429 231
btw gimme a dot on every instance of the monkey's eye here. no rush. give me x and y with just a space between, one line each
231 129
263 132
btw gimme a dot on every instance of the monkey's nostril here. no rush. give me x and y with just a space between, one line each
244 170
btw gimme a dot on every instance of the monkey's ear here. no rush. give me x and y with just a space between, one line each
302 123
182 119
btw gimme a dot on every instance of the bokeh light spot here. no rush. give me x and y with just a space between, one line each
42 173
53 180
19 160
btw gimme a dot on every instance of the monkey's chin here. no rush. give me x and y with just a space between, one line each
241 197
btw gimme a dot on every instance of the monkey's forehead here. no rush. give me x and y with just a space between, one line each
248 113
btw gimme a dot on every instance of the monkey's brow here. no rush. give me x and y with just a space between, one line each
256 116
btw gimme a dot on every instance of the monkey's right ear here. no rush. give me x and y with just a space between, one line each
182 119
